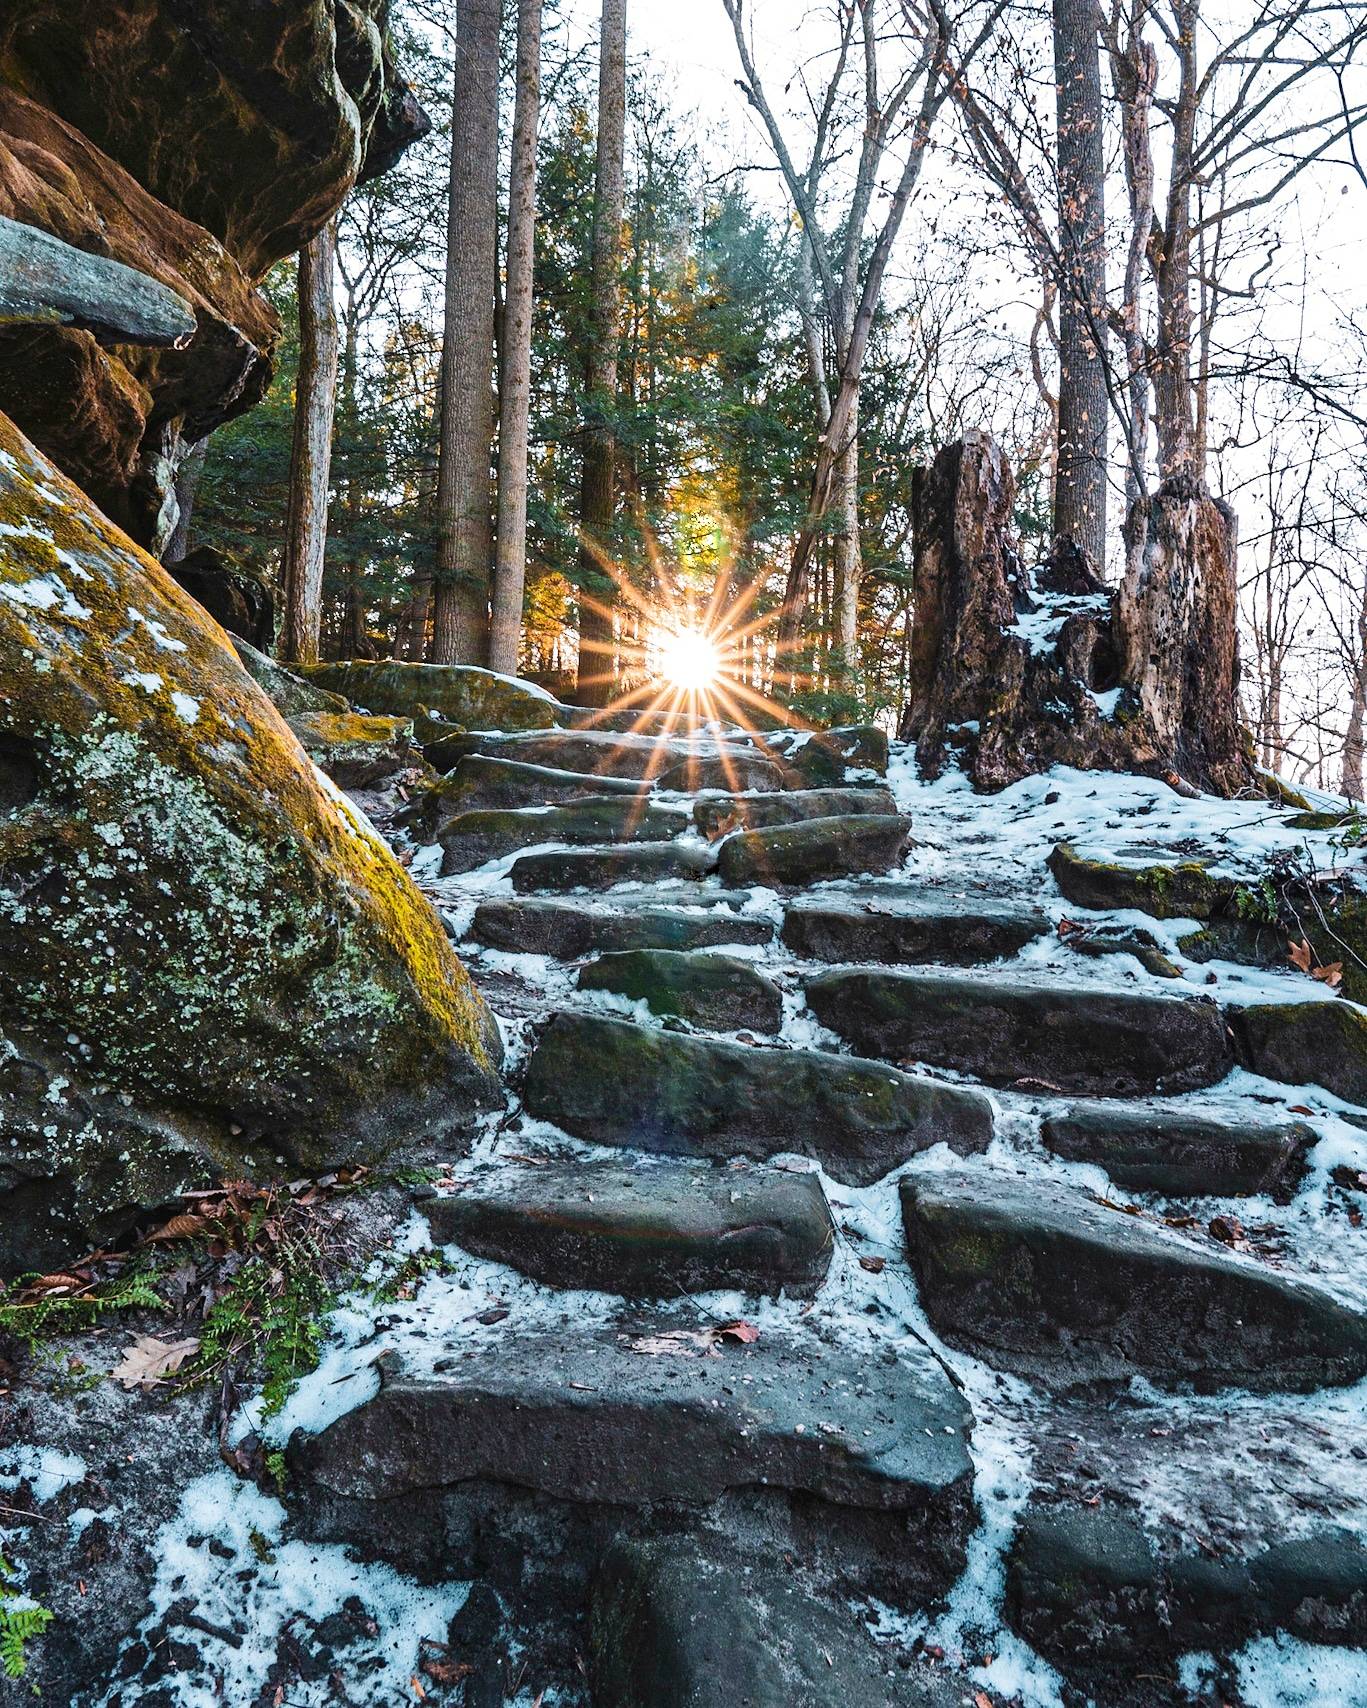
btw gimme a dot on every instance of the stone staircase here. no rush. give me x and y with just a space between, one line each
732 1441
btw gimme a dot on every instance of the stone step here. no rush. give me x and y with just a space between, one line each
1074 1038
628 720
1306 1043
858 1448
815 849
910 930
603 868
657 1230
473 838
569 930
1090 1584
721 992
717 814
737 772
677 1623
614 1083
1179 1153
481 784
1046 1281
601 753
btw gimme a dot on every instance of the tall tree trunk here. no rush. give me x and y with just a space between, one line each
599 491
1351 782
1080 470
1172 391
848 558
515 366
460 629
311 458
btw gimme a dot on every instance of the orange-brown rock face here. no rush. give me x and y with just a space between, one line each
196 141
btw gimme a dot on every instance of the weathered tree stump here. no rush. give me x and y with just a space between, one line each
1014 674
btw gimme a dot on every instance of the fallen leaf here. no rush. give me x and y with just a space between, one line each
1332 975
1301 955
149 1361
746 1333
1229 1230
1300 1109
981 1699
874 1265
445 1672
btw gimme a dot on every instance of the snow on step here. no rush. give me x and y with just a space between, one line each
656 1230
472 838
614 1083
1047 1281
622 1416
715 814
720 992
570 929
480 783
815 849
603 868
601 753
909 929
1082 1038
1177 1153
674 1625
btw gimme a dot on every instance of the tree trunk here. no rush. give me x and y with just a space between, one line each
510 568
1080 469
597 670
1351 783
848 558
460 630
1172 391
310 462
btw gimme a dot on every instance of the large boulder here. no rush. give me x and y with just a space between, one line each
195 143
208 959
456 693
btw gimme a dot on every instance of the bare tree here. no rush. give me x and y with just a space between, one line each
598 497
515 382
310 463
460 621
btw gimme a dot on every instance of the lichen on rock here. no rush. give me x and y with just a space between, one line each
193 921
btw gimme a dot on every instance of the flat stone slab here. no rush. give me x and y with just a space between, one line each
615 1083
1075 1038
676 1624
657 1230
472 838
602 868
605 753
1179 1153
568 929
1090 1583
1044 1280
825 757
734 771
480 783
815 849
721 992
1306 1043
910 931
592 1417
716 815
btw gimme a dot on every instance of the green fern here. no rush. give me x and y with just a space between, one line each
18 1626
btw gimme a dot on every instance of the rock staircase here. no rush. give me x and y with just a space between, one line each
737 1439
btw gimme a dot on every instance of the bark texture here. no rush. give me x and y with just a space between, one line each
597 661
460 621
311 457
1014 674
1080 469
515 383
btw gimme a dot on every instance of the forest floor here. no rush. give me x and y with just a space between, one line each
133 1505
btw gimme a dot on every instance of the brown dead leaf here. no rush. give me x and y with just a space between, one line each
1070 928
1229 1230
874 1265
179 1227
148 1361
1301 955
445 1672
1332 975
746 1334
981 1699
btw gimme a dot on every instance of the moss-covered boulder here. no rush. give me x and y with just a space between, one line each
456 693
356 750
1305 1043
286 691
1183 890
208 959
